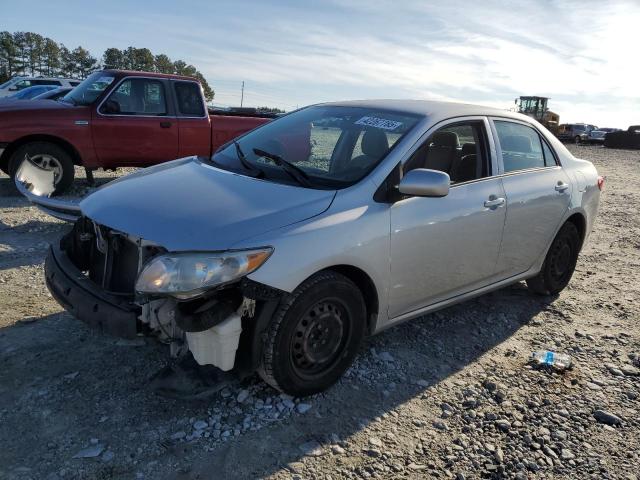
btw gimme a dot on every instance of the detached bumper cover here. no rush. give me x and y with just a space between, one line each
77 294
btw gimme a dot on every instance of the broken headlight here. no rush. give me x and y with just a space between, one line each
187 275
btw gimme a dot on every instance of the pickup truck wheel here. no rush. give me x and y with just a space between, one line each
559 263
49 156
577 140
314 335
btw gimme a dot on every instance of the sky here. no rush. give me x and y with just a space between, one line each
295 53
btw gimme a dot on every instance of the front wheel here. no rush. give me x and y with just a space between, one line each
559 263
577 140
314 335
50 157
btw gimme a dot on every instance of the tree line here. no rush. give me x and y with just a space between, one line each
28 53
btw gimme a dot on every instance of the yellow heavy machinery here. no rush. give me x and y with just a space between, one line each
536 107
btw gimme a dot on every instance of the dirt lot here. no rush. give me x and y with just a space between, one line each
446 396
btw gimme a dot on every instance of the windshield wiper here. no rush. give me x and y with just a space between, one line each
294 171
246 163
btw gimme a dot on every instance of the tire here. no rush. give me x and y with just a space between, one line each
50 155
559 263
577 140
314 335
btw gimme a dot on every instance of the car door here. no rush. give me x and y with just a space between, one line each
442 247
538 193
193 118
135 124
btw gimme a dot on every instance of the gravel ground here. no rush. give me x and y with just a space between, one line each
449 395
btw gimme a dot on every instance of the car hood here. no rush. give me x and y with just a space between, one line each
188 204
9 104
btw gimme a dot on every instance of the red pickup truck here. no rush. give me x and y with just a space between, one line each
116 118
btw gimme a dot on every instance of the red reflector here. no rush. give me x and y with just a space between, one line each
601 182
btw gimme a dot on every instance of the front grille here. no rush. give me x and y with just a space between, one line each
109 258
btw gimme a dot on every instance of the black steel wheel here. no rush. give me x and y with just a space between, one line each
559 264
314 335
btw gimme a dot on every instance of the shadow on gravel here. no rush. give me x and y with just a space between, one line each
27 244
60 382
444 342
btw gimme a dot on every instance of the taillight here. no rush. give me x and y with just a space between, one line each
600 182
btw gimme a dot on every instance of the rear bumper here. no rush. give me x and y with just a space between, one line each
77 294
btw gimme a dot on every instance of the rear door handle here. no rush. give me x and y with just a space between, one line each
165 124
561 186
494 201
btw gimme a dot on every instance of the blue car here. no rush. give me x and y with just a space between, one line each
31 92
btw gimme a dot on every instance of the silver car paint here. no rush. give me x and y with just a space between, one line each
190 205
447 244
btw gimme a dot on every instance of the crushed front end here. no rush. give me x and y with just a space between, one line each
93 271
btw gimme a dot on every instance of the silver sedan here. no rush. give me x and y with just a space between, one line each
290 245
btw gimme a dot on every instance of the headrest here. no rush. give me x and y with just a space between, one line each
468 149
374 143
445 139
516 143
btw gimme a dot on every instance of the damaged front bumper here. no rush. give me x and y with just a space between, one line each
76 293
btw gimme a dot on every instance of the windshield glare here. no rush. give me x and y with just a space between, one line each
90 89
334 146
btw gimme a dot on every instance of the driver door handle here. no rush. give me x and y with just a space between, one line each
561 186
494 201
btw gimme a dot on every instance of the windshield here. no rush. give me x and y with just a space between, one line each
329 146
90 89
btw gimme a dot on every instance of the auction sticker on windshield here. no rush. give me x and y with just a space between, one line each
378 123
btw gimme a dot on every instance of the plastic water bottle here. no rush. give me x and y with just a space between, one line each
560 361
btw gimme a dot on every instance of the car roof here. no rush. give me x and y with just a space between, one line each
135 73
432 108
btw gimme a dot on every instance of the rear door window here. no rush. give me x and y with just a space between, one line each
189 99
521 146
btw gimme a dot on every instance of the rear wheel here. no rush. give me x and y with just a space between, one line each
48 156
314 335
577 140
559 263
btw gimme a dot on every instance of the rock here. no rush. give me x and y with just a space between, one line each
386 357
303 407
440 425
107 456
559 435
89 452
422 383
375 441
499 455
178 435
200 425
607 418
372 452
567 454
630 370
337 449
71 376
311 448
503 425
288 403
242 396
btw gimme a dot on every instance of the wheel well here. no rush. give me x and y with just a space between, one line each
13 146
580 223
366 286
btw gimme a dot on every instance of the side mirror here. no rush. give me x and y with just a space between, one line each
423 182
111 106
13 89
